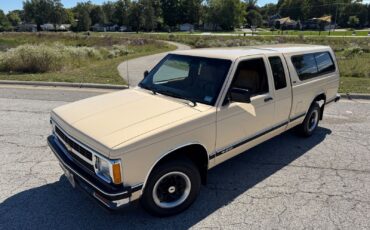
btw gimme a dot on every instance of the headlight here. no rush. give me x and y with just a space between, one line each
110 171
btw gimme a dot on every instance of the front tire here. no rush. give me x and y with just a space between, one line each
171 188
311 121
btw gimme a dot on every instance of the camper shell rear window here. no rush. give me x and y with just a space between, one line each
313 64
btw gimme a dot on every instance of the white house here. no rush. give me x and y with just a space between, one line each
186 27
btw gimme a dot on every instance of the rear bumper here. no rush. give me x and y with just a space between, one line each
111 196
335 99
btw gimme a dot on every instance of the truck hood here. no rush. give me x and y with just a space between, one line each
115 118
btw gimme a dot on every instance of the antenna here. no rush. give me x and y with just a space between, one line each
128 75
127 72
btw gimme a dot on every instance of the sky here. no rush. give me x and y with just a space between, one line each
8 5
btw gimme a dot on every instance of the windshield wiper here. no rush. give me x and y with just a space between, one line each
172 94
148 88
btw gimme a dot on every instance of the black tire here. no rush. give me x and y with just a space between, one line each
311 121
174 175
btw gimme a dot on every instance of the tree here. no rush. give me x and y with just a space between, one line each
83 21
228 14
190 11
353 21
171 12
269 10
109 9
4 22
14 18
122 11
82 14
295 9
148 14
38 11
354 9
97 15
136 16
69 17
254 18
58 16
251 5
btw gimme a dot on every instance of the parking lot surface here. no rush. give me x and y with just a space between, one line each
289 182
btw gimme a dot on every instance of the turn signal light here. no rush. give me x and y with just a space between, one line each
116 168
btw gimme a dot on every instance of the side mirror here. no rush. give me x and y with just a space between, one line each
240 95
146 73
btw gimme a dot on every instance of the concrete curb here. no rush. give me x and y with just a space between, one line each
351 96
64 84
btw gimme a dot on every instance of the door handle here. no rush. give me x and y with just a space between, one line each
267 99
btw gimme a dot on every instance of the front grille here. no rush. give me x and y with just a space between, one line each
89 167
73 144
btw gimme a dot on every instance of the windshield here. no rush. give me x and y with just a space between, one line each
196 79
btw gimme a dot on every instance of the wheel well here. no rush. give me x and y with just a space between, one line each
320 97
196 153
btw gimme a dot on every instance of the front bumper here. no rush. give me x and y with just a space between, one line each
111 196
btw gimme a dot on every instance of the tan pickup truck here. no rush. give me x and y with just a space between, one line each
191 112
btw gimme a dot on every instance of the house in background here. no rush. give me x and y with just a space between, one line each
123 28
51 27
48 27
285 24
211 27
99 28
27 27
105 27
271 19
186 27
322 23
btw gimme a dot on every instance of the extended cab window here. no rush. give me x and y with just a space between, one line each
252 75
312 65
278 72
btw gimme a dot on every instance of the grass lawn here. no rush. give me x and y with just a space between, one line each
354 85
102 71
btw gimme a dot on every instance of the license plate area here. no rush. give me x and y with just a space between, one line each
69 176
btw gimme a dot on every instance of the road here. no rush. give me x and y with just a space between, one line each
322 182
137 67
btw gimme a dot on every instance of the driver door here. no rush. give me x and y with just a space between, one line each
242 125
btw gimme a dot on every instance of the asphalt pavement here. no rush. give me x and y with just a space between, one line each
289 182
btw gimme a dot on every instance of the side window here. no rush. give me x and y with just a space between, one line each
278 72
252 75
305 65
324 62
311 65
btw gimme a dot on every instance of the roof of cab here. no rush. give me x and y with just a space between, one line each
237 52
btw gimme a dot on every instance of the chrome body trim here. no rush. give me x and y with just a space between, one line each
93 153
79 175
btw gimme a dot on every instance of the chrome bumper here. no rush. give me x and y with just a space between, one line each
111 196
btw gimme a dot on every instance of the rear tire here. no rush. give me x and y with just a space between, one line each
311 121
171 188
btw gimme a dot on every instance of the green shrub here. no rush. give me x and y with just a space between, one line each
46 58
352 51
31 59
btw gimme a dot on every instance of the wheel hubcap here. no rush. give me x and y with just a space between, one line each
171 190
312 122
